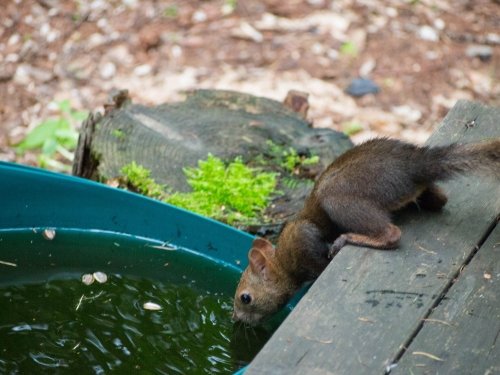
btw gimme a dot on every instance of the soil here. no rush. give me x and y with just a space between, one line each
417 51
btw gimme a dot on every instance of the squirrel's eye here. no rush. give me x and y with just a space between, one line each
246 298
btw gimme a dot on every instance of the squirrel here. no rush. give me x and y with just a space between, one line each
351 202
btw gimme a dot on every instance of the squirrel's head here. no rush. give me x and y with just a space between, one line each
263 288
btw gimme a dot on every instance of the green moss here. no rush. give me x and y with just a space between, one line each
138 178
118 133
233 192
229 193
288 158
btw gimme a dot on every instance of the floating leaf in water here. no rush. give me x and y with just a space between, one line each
88 279
49 234
100 277
151 306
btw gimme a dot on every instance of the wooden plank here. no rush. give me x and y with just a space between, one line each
367 304
463 332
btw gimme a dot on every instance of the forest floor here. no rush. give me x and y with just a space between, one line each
424 55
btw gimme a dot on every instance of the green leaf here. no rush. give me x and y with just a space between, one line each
49 147
37 137
348 49
64 106
350 128
68 138
79 115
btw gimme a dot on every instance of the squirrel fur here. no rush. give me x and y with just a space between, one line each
351 202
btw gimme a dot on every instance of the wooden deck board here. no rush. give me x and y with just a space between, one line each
367 305
463 332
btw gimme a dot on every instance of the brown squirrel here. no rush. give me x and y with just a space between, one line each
351 202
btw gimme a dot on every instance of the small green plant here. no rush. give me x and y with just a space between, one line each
56 138
351 127
118 133
288 158
171 11
348 49
230 6
138 177
295 183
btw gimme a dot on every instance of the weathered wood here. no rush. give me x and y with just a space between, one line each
167 138
367 305
463 332
87 162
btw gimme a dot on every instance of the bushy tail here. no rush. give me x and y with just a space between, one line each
444 162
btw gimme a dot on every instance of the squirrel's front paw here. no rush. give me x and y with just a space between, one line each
336 246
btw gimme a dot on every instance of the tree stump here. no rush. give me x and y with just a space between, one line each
169 137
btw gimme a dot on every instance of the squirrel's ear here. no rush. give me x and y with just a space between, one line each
258 261
263 245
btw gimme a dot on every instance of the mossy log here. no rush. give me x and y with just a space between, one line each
169 137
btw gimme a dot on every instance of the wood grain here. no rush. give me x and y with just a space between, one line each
464 329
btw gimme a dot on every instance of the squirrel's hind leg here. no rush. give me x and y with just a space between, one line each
388 239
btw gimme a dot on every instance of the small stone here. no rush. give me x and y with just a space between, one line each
130 3
49 234
176 51
151 306
439 24
317 3
248 32
432 55
14 39
428 33
407 113
100 277
199 16
493 38
391 12
333 54
483 52
87 279
362 86
317 49
143 70
367 67
107 70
